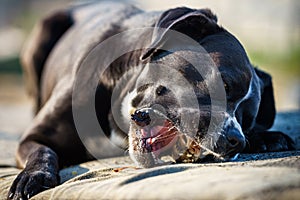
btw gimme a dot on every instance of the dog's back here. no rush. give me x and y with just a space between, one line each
61 40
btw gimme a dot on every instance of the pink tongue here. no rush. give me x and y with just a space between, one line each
156 130
157 133
153 132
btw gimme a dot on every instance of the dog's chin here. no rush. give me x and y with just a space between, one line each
165 144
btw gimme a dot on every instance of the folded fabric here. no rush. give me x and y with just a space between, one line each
118 178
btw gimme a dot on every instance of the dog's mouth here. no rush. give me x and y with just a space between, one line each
156 140
158 137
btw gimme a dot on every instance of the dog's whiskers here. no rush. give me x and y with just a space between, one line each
159 138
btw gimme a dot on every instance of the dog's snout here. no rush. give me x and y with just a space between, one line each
235 139
233 136
141 118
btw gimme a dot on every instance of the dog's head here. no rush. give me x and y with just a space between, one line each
179 114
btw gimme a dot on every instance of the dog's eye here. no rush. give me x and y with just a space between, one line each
143 88
226 87
161 90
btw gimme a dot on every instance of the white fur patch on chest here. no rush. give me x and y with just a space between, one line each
126 108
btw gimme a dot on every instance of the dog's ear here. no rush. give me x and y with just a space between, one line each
266 113
194 23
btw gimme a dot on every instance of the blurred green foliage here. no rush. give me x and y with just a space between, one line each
27 21
288 61
10 66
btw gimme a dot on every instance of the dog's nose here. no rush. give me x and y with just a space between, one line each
141 118
235 140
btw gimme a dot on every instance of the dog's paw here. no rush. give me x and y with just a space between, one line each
268 142
31 182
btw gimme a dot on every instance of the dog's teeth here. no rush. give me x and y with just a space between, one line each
150 140
189 155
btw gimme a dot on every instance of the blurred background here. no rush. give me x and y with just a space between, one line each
268 29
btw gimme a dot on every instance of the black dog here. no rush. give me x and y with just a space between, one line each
159 120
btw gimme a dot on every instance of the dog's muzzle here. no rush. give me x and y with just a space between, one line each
231 140
155 130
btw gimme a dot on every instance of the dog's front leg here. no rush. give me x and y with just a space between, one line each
268 141
35 152
40 170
